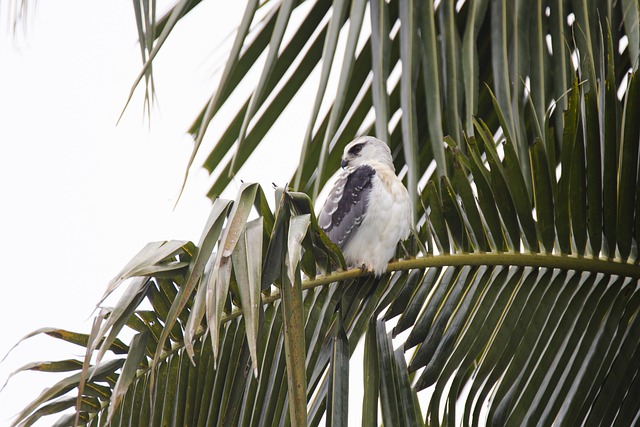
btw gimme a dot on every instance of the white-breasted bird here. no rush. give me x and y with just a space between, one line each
368 210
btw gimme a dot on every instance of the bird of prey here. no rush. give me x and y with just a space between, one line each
367 211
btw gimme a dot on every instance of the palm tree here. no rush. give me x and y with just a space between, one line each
516 300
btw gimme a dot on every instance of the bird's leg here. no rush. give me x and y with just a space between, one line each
363 268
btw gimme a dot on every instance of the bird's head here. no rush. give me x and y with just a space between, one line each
364 150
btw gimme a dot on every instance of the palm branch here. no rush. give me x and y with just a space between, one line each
515 302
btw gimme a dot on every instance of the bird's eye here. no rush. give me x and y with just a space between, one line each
356 149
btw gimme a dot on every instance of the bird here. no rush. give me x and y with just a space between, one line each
368 210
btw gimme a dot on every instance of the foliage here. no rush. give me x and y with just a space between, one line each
518 299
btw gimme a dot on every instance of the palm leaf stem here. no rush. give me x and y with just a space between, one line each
550 261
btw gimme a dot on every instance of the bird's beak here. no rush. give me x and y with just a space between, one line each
344 163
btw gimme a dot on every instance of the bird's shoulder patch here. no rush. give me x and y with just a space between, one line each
346 205
355 190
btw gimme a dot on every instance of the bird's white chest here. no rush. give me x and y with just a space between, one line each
387 221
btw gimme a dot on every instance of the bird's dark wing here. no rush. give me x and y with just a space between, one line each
346 205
